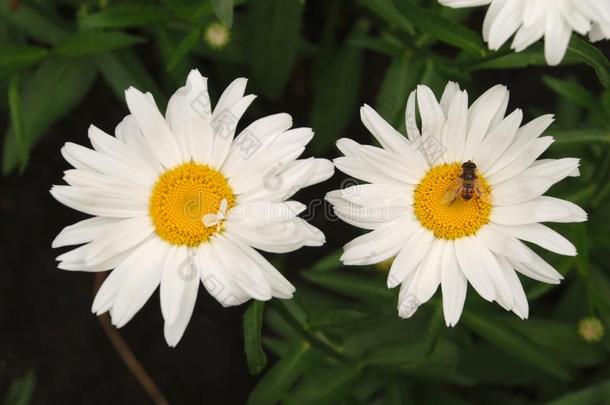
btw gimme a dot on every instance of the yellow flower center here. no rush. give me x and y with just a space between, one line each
449 220
182 197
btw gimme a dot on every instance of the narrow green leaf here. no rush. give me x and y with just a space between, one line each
184 47
569 136
125 16
35 22
253 324
224 11
495 330
44 105
21 391
324 318
328 385
583 246
352 285
14 102
572 91
336 92
595 394
281 377
329 262
443 28
532 56
272 42
123 69
400 78
15 58
592 56
387 10
87 43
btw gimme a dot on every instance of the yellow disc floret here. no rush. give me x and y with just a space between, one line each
455 219
182 197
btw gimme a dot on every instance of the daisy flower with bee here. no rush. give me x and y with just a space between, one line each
455 202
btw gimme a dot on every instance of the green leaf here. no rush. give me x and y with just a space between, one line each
86 43
253 324
44 105
329 262
352 285
400 78
328 385
272 42
15 58
184 47
570 136
323 318
21 390
14 102
595 394
35 22
443 28
509 59
282 376
224 11
123 69
572 91
387 10
495 330
583 247
589 54
336 92
126 16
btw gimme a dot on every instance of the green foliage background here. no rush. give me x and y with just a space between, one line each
340 339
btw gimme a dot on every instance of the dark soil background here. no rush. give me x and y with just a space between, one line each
45 319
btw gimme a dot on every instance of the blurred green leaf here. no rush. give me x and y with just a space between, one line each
35 22
276 383
14 58
571 90
352 285
21 390
329 262
595 394
328 385
589 54
184 47
442 28
224 11
400 78
387 10
509 59
87 43
253 324
323 318
583 245
494 329
123 69
274 28
14 102
336 92
44 105
570 136
126 16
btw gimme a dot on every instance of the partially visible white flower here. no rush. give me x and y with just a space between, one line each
533 19
183 199
217 35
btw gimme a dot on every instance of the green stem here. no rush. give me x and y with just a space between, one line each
316 339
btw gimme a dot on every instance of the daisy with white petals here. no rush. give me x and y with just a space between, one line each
179 200
533 19
472 238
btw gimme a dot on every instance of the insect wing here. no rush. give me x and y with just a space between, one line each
481 193
453 192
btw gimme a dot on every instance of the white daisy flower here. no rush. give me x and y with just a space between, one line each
179 199
443 229
533 19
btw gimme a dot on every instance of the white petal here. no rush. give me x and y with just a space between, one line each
542 236
453 284
467 251
82 232
381 244
177 268
415 249
145 265
543 209
216 279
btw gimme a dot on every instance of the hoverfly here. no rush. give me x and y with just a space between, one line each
466 186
